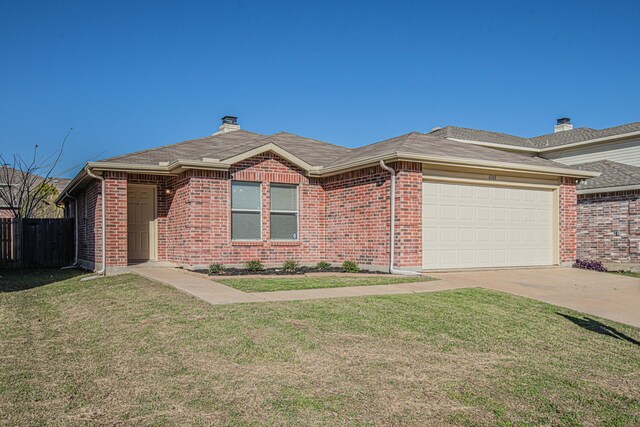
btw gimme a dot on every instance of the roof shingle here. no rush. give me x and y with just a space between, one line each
613 174
543 141
223 146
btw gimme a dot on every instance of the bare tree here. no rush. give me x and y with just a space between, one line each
25 184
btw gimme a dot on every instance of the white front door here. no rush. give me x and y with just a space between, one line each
140 221
471 226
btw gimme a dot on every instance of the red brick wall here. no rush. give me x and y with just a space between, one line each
6 213
408 242
357 216
568 218
115 219
609 226
90 221
340 217
199 225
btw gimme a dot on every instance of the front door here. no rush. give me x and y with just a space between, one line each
140 222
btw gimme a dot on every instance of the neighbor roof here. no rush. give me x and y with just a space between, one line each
538 142
14 177
613 175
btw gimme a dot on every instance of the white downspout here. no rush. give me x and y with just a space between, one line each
75 217
104 225
392 232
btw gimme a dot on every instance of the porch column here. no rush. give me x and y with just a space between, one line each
116 218
568 220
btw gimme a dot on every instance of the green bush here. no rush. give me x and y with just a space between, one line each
291 265
323 265
350 266
254 265
215 268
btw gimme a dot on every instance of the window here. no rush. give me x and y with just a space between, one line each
284 212
246 211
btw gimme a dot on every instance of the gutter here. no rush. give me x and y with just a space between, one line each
103 271
457 161
392 232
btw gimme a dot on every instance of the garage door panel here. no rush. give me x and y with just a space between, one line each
467 226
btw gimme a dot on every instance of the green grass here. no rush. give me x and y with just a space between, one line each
127 351
627 273
270 284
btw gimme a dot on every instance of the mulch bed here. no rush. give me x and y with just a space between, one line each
280 272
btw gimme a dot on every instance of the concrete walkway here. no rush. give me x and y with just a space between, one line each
199 287
601 294
358 291
216 293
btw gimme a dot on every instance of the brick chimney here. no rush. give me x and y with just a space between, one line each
562 124
229 124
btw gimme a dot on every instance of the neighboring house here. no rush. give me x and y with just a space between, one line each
47 206
235 196
608 205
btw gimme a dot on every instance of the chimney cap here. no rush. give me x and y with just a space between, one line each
230 120
563 121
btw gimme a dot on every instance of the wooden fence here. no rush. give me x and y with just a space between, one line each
32 243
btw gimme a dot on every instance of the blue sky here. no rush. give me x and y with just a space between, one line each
134 75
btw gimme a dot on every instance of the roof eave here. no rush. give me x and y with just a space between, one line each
457 161
498 145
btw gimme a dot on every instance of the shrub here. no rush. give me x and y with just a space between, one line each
216 268
589 265
291 265
323 265
350 267
254 265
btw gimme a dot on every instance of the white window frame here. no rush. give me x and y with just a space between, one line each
296 212
259 239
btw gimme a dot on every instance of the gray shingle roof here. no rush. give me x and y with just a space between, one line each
194 149
427 144
481 135
318 153
226 145
614 174
543 141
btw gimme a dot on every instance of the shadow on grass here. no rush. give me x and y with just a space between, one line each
599 327
15 280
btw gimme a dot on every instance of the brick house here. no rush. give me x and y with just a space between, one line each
236 195
608 205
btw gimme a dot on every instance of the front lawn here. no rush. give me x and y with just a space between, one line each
269 284
127 351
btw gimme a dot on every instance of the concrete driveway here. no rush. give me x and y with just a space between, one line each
601 294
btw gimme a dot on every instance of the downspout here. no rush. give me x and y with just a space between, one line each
75 217
103 271
392 232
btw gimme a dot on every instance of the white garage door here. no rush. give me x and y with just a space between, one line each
469 226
